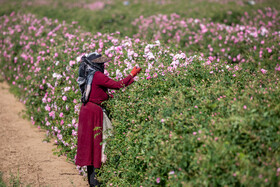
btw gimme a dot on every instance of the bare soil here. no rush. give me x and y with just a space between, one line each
22 149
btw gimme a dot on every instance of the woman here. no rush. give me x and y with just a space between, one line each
94 84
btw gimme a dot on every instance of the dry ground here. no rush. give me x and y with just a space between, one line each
22 149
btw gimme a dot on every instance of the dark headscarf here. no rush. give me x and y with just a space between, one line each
87 70
96 66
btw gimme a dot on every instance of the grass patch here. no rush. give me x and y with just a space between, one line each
14 180
2 183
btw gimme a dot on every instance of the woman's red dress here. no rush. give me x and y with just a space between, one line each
91 116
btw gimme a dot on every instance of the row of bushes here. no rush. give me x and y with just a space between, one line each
254 39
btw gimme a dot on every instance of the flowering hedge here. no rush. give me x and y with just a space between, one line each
255 38
187 120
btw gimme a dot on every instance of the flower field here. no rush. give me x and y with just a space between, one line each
233 41
204 111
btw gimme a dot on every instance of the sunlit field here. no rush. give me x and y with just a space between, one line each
204 111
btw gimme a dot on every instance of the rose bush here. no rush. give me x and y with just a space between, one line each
187 120
253 39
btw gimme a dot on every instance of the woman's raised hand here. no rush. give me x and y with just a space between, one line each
135 71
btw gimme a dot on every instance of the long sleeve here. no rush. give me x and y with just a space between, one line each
103 80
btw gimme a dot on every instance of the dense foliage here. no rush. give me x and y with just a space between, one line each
200 120
240 38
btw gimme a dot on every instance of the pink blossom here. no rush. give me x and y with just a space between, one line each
266 180
59 136
171 173
12 14
263 71
52 114
269 50
47 108
208 62
245 107
72 62
170 134
74 133
64 98
98 5
158 180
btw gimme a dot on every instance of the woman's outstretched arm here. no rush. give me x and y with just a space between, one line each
103 80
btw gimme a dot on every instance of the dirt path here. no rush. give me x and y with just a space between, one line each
22 149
